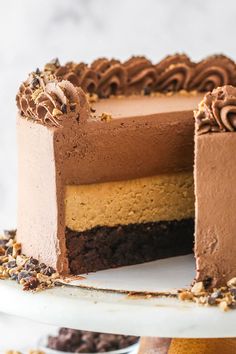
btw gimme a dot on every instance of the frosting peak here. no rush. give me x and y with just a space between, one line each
217 111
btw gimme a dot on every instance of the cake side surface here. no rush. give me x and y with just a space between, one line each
36 221
215 171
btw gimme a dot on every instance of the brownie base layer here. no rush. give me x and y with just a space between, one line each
110 247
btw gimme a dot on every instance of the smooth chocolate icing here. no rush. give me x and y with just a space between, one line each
135 76
217 111
215 221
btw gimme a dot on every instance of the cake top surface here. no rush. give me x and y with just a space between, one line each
58 92
138 106
217 111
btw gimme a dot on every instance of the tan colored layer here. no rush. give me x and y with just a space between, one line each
162 197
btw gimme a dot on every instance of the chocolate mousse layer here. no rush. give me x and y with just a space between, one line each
215 171
108 247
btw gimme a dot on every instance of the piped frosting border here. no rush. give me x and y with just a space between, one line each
51 95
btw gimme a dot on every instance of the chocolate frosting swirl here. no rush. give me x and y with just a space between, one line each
48 100
212 72
174 73
111 77
141 75
79 74
217 111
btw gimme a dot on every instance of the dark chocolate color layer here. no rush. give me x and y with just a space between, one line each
109 247
76 341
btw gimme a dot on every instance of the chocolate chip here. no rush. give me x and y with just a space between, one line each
64 108
55 62
3 243
9 250
34 83
211 300
14 276
233 305
233 292
207 282
48 271
9 234
23 275
71 340
33 261
37 71
31 284
147 91
11 264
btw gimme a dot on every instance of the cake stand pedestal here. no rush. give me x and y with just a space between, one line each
112 310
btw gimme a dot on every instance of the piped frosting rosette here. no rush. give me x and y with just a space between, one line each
212 72
48 100
141 75
217 111
174 73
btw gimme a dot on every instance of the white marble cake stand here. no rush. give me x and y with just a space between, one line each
114 312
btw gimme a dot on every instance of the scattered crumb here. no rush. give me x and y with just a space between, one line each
105 117
36 276
224 297
27 271
92 97
198 288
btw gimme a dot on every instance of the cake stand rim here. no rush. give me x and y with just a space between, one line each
111 312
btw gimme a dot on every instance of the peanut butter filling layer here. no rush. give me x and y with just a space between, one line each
150 199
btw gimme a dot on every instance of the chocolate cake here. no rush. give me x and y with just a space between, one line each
106 158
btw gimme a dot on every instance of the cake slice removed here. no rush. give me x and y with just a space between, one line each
215 177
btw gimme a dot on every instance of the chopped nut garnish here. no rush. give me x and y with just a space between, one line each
105 117
185 295
198 288
36 93
56 112
232 282
92 97
27 271
223 306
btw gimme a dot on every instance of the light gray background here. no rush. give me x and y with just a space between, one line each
33 32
